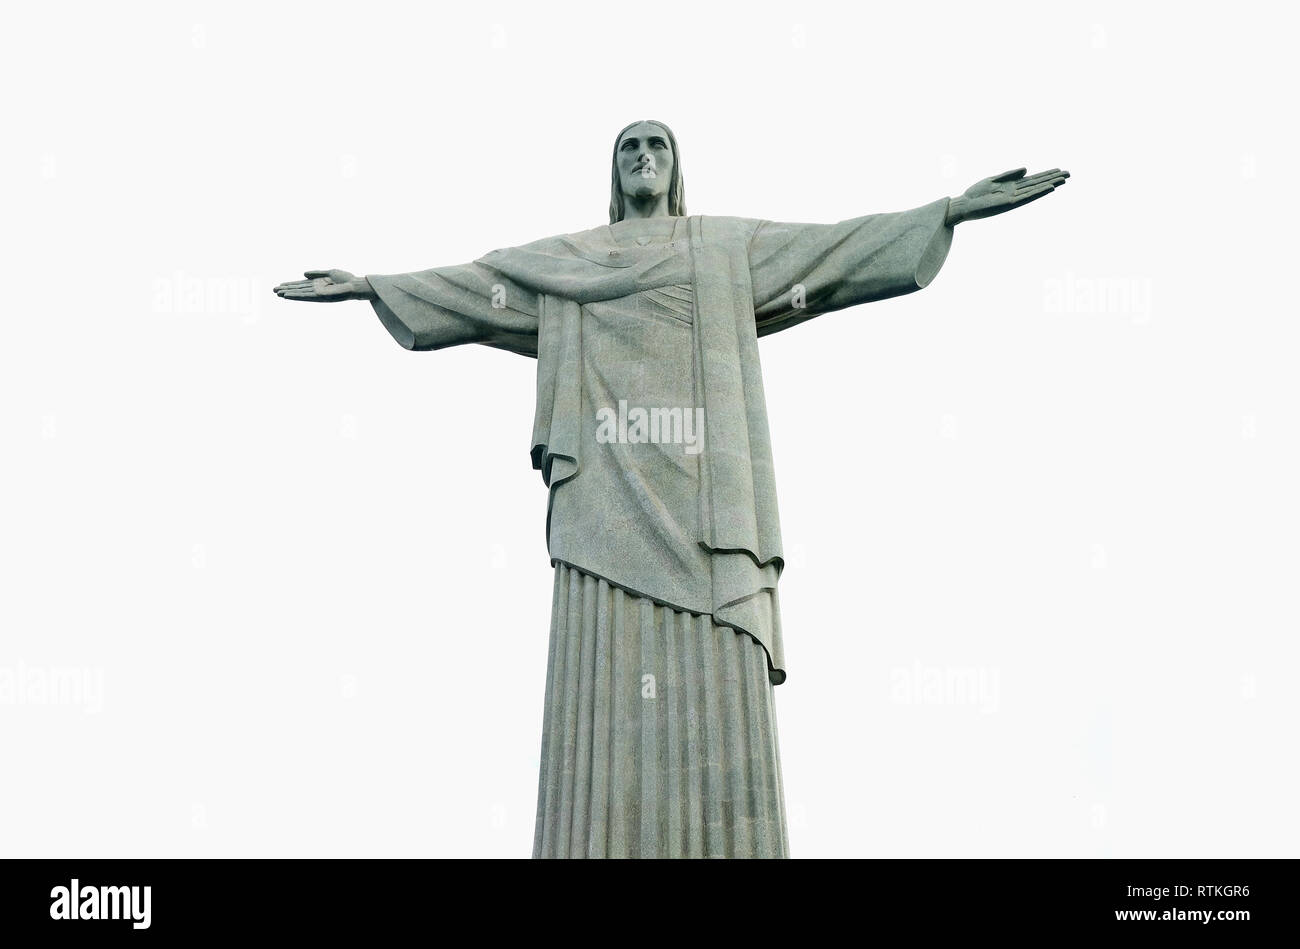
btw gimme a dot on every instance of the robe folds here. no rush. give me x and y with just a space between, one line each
664 315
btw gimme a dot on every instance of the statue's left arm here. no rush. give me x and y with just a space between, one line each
799 271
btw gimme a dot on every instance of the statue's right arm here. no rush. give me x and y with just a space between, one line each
433 309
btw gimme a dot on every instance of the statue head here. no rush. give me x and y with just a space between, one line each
647 166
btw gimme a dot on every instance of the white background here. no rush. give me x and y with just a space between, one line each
301 572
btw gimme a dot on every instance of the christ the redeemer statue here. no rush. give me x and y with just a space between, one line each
659 735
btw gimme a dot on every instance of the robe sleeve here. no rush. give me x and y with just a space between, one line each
450 306
799 271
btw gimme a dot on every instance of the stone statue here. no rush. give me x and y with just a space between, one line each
650 433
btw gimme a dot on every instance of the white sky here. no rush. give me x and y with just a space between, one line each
303 571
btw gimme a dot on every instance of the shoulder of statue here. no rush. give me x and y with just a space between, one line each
725 228
559 245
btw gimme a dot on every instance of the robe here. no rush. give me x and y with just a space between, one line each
664 315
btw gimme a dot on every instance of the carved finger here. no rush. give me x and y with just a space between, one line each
1054 183
1054 173
1041 176
315 274
1032 195
1011 175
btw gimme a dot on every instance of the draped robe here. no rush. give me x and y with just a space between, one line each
665 313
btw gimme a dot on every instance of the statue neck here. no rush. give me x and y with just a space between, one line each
644 207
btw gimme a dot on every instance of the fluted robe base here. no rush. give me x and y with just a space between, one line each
659 736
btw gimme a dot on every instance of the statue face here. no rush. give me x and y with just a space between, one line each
645 161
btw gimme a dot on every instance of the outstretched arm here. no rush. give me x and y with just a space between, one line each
433 309
799 271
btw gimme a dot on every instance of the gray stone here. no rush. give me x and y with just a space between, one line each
651 435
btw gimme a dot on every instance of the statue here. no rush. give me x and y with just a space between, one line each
650 433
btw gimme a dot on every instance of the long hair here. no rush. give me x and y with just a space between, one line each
676 187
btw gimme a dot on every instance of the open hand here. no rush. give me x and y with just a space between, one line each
326 286
1011 189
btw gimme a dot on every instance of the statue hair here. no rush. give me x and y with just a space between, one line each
676 187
